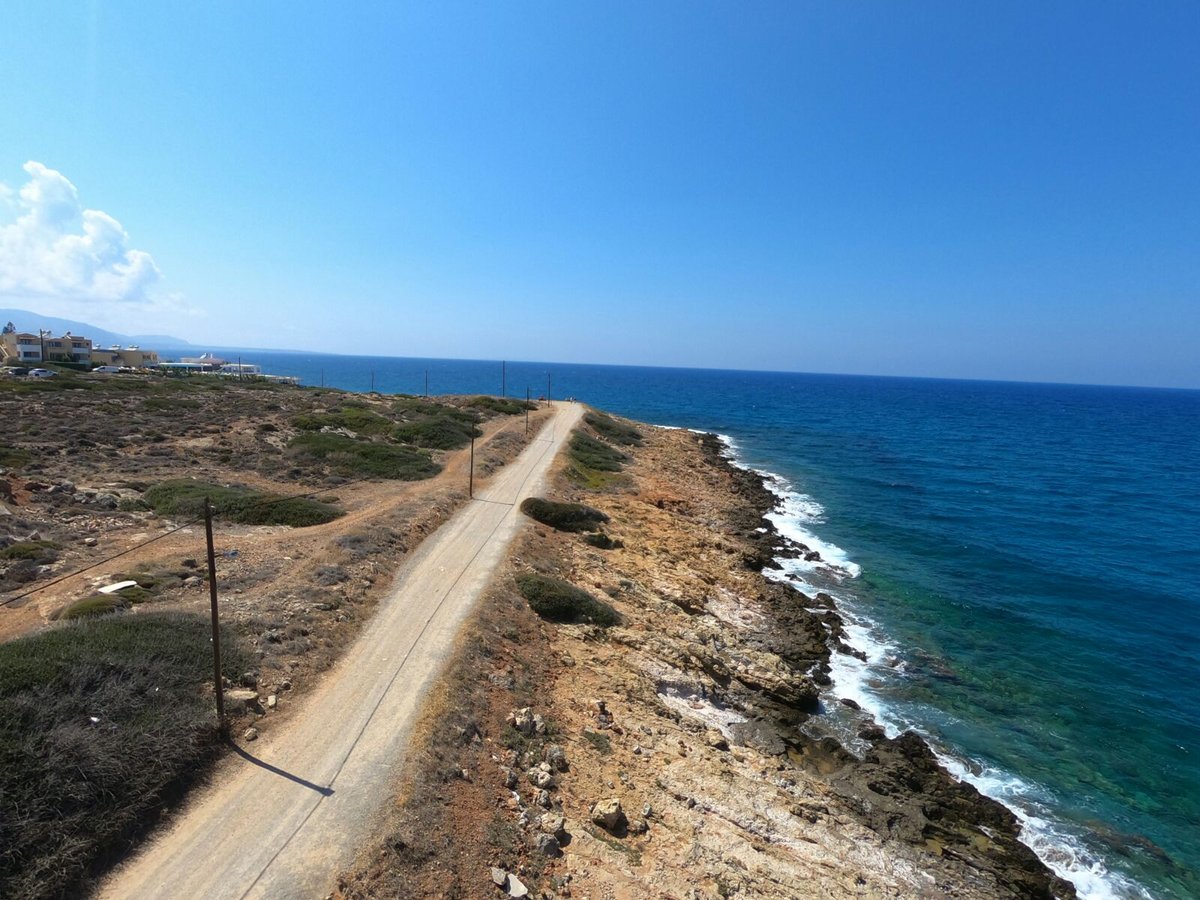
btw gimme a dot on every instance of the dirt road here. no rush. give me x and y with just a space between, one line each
291 810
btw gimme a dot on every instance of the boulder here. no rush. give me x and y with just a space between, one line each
547 844
557 758
609 815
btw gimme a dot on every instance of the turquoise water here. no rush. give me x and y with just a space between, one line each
1020 562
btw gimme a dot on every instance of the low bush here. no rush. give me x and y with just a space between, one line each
559 601
351 417
363 458
595 454
96 605
102 727
563 516
13 457
602 541
442 433
504 406
40 552
610 429
412 408
184 497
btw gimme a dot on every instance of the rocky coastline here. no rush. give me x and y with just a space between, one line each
673 752
898 785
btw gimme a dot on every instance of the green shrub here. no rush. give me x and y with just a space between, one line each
559 601
602 541
362 458
96 605
102 727
563 516
40 552
415 408
438 434
184 497
504 406
610 429
595 454
13 457
349 416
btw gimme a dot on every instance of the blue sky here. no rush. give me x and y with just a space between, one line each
919 189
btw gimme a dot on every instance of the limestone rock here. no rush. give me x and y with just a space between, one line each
609 815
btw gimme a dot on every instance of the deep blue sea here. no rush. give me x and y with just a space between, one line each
1019 562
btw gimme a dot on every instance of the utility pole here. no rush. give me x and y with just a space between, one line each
547 387
218 687
503 378
372 381
526 410
322 378
426 384
471 476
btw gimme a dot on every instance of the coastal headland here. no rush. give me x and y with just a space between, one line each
666 750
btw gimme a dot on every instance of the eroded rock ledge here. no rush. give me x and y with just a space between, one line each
669 756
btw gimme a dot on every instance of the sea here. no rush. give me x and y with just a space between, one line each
1019 564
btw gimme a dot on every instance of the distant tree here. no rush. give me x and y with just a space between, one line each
10 328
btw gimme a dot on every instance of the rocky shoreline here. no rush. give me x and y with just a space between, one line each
898 786
673 753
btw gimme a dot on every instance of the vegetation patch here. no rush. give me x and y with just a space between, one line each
612 430
559 601
362 458
411 408
352 417
96 605
102 726
441 433
596 455
12 457
602 541
183 497
503 406
40 552
563 516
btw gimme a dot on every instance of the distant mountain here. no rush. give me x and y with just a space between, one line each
31 321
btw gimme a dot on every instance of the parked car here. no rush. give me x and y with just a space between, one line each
107 370
41 373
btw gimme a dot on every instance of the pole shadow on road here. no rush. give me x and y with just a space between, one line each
262 764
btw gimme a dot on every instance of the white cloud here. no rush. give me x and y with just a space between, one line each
57 250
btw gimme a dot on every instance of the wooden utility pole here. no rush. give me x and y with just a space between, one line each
322 378
503 378
471 476
547 387
526 410
218 686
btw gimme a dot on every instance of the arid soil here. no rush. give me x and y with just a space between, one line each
673 755
296 595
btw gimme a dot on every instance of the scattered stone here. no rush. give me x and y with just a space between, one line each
557 758
193 581
499 877
609 815
250 734
526 721
553 823
247 698
647 810
272 700
547 844
510 779
515 888
543 799
539 776
714 738
638 826
90 542
285 685
250 679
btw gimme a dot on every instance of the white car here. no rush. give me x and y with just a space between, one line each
107 370
41 373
